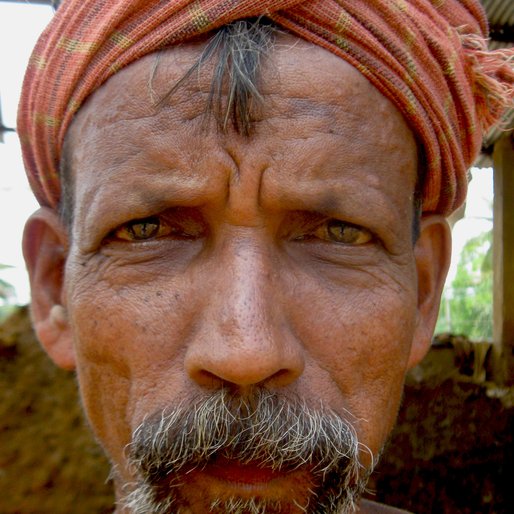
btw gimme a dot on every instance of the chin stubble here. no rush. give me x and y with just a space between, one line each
261 428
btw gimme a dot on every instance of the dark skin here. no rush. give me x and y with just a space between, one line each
200 260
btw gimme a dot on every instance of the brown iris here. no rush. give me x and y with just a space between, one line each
340 232
140 230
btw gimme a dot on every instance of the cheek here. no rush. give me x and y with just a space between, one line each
358 340
130 354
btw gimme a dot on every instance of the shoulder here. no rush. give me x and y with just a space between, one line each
369 507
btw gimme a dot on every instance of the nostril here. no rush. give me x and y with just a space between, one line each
207 379
210 380
282 378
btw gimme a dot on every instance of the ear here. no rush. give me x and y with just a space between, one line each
45 246
432 254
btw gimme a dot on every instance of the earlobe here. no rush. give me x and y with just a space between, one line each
45 245
432 254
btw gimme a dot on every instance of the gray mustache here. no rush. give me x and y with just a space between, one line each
262 428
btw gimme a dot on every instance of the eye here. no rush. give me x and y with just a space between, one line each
179 223
140 230
336 231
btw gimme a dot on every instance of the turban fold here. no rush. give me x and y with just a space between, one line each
428 57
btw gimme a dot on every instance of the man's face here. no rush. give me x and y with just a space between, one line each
208 268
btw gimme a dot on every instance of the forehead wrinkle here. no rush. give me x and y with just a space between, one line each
121 104
280 105
341 200
101 133
180 107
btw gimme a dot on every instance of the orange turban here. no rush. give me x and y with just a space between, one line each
428 57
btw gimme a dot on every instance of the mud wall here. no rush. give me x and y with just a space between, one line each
452 451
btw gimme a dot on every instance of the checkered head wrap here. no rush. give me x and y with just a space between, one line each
428 57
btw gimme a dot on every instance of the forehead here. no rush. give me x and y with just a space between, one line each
323 131
309 76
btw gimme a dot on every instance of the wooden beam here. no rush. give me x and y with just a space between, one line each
503 252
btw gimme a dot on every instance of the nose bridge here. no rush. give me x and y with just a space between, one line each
244 338
246 295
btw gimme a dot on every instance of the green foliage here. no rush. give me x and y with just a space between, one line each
6 293
6 311
467 305
6 290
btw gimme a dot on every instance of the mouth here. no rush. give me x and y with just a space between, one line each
225 478
249 475
224 485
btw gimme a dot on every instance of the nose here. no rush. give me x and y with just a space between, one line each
243 337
